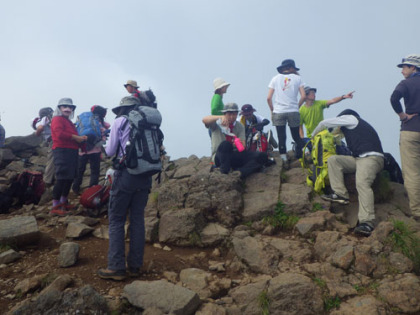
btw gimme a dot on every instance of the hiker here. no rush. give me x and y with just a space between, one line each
2 136
409 90
66 142
253 124
366 161
128 192
43 128
284 87
132 88
220 88
312 110
93 153
228 143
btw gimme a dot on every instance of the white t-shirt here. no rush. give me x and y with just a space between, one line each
286 89
46 122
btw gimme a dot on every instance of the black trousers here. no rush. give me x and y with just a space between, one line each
246 162
94 160
281 133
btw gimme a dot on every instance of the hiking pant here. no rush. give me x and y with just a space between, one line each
49 171
246 162
293 119
410 163
128 192
94 160
366 169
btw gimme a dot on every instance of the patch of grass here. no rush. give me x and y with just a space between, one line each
321 283
370 289
48 279
381 187
283 176
153 197
280 219
331 302
4 248
264 302
404 240
194 239
316 206
248 223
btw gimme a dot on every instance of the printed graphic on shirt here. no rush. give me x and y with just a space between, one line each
286 83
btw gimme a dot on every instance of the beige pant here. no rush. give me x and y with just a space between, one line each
410 163
49 172
366 169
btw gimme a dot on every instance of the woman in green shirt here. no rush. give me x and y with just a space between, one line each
220 88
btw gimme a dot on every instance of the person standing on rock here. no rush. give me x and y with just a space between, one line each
128 192
228 143
284 88
66 142
43 128
366 161
220 87
409 90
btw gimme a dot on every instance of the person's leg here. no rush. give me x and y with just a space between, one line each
65 192
251 162
410 164
137 233
224 156
294 121
57 191
366 170
49 168
338 165
83 159
95 165
281 134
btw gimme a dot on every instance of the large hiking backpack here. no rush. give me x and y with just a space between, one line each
146 138
147 98
88 124
323 146
30 187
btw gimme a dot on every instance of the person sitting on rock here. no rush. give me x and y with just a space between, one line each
228 143
255 123
366 161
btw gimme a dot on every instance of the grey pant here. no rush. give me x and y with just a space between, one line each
410 162
366 169
129 193
49 172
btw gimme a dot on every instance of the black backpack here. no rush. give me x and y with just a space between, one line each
392 167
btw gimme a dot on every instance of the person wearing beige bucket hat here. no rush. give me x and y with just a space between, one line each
409 90
131 87
220 87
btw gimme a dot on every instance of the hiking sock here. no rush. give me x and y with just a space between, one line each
63 199
56 202
283 157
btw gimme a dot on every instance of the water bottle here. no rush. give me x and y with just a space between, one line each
238 144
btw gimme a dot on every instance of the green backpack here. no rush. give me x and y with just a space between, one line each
323 146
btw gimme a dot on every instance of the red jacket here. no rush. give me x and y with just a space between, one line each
61 131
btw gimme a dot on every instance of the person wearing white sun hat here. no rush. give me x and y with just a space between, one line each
220 88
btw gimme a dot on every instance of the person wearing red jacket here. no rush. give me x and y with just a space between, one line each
66 142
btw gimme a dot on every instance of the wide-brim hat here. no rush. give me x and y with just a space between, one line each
67 101
218 83
308 89
132 83
410 60
126 102
230 107
247 109
287 63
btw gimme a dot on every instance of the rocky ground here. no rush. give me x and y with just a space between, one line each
216 245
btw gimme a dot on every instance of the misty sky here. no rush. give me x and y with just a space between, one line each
87 50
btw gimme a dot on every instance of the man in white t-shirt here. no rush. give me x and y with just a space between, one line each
283 102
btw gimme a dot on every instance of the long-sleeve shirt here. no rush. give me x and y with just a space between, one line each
118 137
62 130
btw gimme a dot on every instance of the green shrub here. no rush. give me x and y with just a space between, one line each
280 219
264 302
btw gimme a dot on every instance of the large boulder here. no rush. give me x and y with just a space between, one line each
19 231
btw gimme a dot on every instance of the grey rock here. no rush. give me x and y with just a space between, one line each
76 230
246 297
29 284
102 232
196 280
343 257
366 304
6 155
296 198
21 143
211 309
9 256
69 253
213 234
151 225
19 231
163 295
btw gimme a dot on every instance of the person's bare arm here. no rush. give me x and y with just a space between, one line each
301 134
211 119
302 96
39 130
340 98
270 99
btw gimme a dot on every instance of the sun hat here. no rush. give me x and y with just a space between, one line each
230 107
132 83
218 83
125 102
66 101
287 63
247 110
308 89
410 60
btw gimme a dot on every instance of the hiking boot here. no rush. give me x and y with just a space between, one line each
68 206
133 272
59 210
336 198
363 229
117 275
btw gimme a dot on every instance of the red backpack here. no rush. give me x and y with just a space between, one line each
30 187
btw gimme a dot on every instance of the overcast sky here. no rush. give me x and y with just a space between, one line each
87 50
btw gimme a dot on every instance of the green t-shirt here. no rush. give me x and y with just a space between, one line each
217 105
312 116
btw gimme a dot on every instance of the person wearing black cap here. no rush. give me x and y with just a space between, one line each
366 161
409 90
283 102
